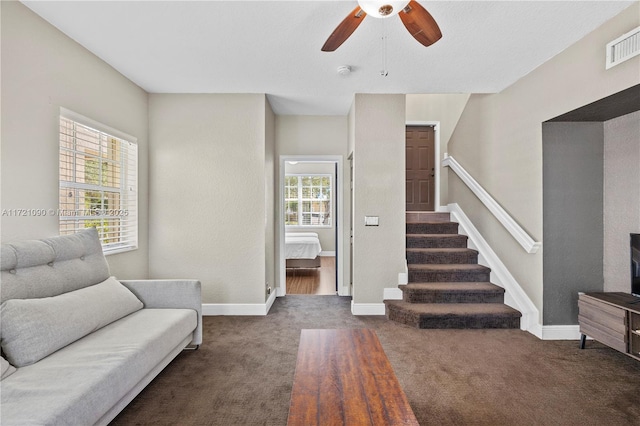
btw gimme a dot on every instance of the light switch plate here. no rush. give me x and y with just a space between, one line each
371 221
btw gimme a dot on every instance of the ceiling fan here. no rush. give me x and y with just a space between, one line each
415 18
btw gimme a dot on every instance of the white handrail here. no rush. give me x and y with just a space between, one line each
496 209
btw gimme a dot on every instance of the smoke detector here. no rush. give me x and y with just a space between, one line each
344 69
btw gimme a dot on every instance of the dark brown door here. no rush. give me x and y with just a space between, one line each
420 168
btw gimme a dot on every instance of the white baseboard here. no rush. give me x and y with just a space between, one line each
392 293
559 332
367 308
403 277
270 300
346 291
500 275
253 309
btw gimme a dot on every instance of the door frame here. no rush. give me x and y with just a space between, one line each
339 222
436 162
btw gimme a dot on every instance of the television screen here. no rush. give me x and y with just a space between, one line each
635 264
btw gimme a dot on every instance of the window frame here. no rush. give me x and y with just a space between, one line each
300 200
125 210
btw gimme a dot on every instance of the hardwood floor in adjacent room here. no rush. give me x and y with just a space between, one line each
316 281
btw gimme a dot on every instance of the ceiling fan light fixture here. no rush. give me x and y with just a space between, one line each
382 8
415 18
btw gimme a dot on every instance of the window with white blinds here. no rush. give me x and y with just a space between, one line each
307 200
98 182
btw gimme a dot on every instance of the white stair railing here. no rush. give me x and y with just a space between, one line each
529 244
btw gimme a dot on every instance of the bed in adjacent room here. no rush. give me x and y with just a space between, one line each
302 249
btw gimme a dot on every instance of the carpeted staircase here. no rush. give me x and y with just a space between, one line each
447 288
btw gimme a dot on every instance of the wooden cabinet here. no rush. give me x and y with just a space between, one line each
634 334
612 319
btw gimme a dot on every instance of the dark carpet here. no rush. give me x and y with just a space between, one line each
243 373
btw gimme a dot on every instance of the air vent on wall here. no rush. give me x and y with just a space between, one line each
624 47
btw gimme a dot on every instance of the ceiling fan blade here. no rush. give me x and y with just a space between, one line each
344 30
420 23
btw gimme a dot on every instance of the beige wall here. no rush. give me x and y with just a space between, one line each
499 140
379 188
201 217
43 70
311 134
444 109
208 217
621 197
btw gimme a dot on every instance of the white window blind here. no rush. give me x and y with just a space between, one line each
307 200
98 182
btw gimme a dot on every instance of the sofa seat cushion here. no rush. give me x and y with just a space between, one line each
79 383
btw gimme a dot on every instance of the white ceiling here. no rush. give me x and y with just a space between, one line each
273 47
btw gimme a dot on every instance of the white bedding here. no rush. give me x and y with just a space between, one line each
301 245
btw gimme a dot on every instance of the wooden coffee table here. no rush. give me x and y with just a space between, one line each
343 377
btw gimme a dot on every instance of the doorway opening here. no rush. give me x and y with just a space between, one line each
310 225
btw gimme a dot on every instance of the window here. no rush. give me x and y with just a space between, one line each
98 182
307 200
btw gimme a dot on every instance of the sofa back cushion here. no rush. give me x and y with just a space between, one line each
44 268
31 329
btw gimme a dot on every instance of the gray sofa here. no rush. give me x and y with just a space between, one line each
78 345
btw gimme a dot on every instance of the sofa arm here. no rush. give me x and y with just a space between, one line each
173 294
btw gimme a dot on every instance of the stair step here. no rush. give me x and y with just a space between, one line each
447 288
453 315
412 217
452 292
432 228
442 255
436 241
440 273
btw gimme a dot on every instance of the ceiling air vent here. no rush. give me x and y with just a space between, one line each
624 47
